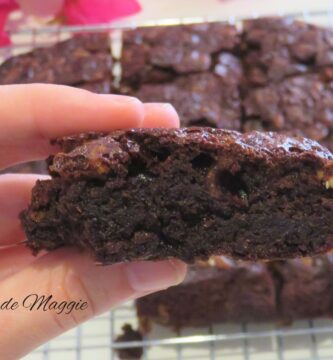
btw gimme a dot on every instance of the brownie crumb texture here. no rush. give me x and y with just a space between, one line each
186 193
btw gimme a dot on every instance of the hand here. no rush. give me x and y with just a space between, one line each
30 116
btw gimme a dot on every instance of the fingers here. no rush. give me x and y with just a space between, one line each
160 115
49 111
15 189
71 276
15 258
15 194
33 114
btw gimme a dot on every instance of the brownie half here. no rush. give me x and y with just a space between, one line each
278 47
185 193
215 292
301 105
159 54
203 99
83 58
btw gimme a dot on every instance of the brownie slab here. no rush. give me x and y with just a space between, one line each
83 58
185 193
278 47
214 292
301 105
158 54
226 291
201 99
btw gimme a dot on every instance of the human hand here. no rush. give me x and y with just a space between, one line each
30 116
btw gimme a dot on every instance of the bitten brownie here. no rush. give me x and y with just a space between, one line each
301 105
214 292
159 54
277 47
81 59
185 193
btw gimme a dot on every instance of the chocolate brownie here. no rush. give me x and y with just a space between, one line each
217 291
277 47
227 291
185 193
129 335
306 288
301 105
83 58
201 99
159 54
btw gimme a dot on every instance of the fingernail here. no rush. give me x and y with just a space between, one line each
124 103
149 276
160 115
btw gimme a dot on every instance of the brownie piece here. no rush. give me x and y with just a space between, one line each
129 335
223 290
84 58
185 193
301 105
201 99
306 287
158 54
278 47
217 291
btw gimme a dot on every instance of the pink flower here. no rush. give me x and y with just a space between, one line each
87 12
6 7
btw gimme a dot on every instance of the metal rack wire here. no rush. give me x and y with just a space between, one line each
305 340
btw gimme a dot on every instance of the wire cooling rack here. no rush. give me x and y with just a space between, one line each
304 340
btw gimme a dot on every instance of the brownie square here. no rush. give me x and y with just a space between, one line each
203 99
83 58
306 287
278 47
301 105
158 54
218 291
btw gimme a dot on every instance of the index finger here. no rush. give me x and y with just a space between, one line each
30 115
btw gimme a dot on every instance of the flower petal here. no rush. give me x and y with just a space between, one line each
6 7
85 12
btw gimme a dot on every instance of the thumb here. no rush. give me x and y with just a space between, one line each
41 7
70 276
